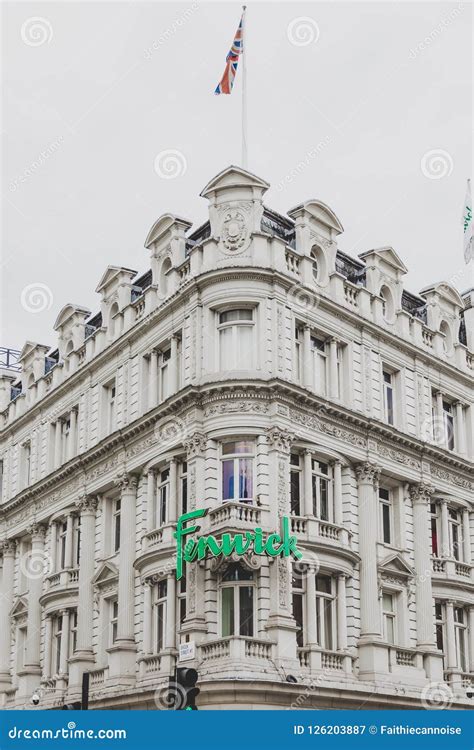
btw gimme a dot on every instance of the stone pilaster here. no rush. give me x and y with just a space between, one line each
83 657
35 565
6 599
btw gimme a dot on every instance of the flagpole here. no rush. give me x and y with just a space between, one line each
244 91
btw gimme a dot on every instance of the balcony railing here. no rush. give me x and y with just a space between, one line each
303 526
452 568
315 659
98 677
237 648
242 513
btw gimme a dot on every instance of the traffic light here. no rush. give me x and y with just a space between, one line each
187 692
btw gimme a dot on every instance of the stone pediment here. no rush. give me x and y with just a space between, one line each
444 291
388 255
318 211
111 273
395 565
20 607
167 223
68 312
234 177
107 573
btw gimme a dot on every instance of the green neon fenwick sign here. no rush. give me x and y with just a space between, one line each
274 545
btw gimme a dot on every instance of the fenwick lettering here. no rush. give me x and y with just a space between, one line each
254 541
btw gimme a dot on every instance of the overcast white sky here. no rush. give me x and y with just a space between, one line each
100 106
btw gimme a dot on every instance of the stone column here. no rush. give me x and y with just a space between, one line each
48 642
170 637
122 654
83 656
281 624
153 380
341 613
421 496
195 624
307 375
439 436
466 536
333 384
451 661
35 564
53 546
460 436
367 478
445 546
6 600
125 627
64 651
307 483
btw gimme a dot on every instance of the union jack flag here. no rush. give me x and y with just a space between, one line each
227 81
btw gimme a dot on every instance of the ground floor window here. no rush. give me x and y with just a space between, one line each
237 594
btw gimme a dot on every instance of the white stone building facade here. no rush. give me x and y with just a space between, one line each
258 372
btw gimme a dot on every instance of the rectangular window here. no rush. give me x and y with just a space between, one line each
57 639
159 616
164 374
113 619
321 490
236 339
319 357
111 407
183 476
62 534
455 534
434 530
440 625
295 484
76 538
298 354
298 607
237 602
163 497
73 633
182 599
26 464
237 471
385 515
460 637
448 425
325 619
1 481
389 617
388 397
117 504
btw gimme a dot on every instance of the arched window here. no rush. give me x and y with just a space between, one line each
165 269
388 306
113 321
319 265
445 329
237 602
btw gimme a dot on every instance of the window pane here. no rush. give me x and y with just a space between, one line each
227 355
245 347
387 603
327 604
298 615
390 629
323 583
323 494
386 523
434 537
245 478
246 610
227 611
236 572
237 446
231 315
228 480
295 492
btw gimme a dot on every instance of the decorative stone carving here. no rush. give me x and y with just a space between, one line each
37 529
367 472
235 227
195 445
311 421
230 407
249 561
283 582
87 504
398 456
280 439
8 547
421 493
448 476
126 481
